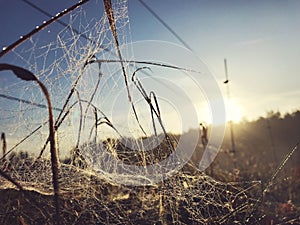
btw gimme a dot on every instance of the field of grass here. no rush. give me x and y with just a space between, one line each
244 188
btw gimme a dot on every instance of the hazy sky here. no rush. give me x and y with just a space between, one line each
259 38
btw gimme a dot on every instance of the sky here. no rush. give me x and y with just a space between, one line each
259 39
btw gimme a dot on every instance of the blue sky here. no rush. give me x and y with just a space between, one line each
260 40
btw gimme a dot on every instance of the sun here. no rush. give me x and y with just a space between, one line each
233 111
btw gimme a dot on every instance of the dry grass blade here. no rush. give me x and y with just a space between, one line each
27 102
165 25
7 177
91 56
107 122
110 16
146 63
19 72
64 24
80 121
95 90
3 139
39 28
155 109
28 76
270 182
24 139
142 91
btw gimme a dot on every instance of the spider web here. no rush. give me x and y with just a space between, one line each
79 66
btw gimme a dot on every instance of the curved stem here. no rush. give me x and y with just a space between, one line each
53 151
29 76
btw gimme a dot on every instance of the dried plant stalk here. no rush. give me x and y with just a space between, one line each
28 76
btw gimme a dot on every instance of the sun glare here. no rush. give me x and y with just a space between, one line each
233 111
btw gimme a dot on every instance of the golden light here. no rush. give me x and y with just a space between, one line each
233 111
